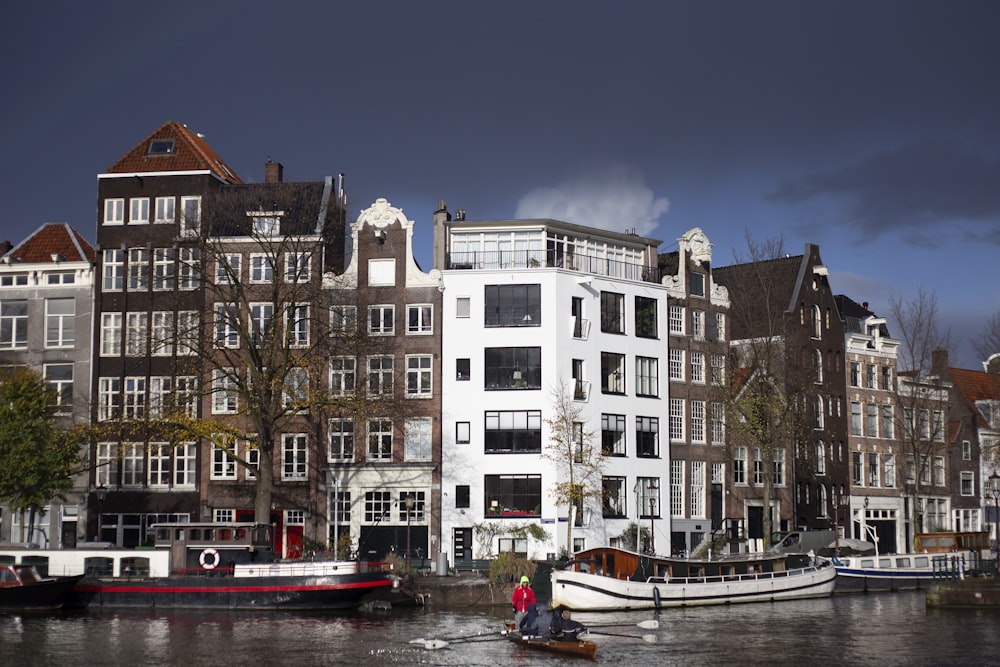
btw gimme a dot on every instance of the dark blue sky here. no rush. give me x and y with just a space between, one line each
869 128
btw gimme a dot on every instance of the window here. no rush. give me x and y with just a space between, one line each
874 470
108 398
266 223
718 368
111 334
887 421
138 212
645 317
740 465
261 268
513 495
718 423
106 470
886 382
677 419
856 418
613 435
778 458
378 505
612 312
114 211
512 431
188 325
676 364
613 497
261 321
188 268
163 269
135 398
294 451
161 147
138 269
758 467
871 420
463 433
513 368
419 319
417 439
463 369
889 464
463 495
649 496
966 450
647 437
818 412
295 393
381 320
463 307
190 216
133 464
227 269
379 439
698 367
160 399
380 371
66 278
343 320
114 270
343 375
816 324
858 469
298 326
513 306
419 375
14 280
720 327
136 334
967 483
646 376
698 284
676 320
159 465
677 488
939 471
698 422
870 377
187 396
59 378
820 458
817 366
165 209
341 440
698 324
938 426
297 265
340 509
225 399
185 459
59 322
223 464
612 373
227 320
382 272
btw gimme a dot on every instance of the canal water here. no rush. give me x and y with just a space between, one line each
849 630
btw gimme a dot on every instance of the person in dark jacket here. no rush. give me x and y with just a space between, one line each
563 628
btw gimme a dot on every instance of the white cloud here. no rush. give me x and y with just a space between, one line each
611 196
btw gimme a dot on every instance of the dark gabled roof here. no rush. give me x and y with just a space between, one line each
669 263
750 284
854 314
188 152
976 386
53 238
306 208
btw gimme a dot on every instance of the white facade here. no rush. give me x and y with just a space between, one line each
521 319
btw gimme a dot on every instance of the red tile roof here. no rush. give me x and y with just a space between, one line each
190 153
54 238
976 386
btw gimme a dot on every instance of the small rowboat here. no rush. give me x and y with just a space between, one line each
579 648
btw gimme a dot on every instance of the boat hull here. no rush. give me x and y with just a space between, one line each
591 592
206 592
894 572
43 595
579 648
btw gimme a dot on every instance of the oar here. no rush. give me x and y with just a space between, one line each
433 644
651 624
646 638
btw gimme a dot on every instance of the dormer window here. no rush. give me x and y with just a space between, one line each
161 147
266 223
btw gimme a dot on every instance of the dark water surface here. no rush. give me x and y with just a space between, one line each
849 630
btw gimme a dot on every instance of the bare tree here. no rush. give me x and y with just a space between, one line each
921 392
577 454
987 343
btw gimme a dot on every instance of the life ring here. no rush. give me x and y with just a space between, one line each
205 555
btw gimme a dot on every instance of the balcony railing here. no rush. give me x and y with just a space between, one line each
533 259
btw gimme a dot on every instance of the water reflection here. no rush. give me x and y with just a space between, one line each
888 629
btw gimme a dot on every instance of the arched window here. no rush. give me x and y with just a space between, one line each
820 458
818 366
821 500
817 322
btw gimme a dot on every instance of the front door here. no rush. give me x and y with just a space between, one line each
461 538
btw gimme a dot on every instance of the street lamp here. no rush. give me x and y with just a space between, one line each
995 488
652 512
408 502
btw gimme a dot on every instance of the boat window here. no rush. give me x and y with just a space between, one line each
225 535
41 563
135 567
7 576
921 561
868 562
194 534
180 535
162 534
902 562
241 534
6 559
884 562
99 566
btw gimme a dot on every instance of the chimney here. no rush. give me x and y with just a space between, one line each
992 365
939 362
5 247
274 172
441 216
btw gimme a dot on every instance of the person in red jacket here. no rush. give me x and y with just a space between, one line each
522 599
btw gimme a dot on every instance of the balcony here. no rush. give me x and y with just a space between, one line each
538 259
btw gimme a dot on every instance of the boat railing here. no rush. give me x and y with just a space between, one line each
748 576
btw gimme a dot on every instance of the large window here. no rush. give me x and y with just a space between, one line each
513 306
676 320
297 265
513 431
261 268
379 439
225 397
188 268
647 437
612 373
645 317
13 325
613 435
381 320
648 491
298 326
59 322
420 318
740 465
676 364
295 447
513 495
612 312
341 444
647 381
513 368
227 325
60 380
166 209
223 463
676 419
164 269
380 370
718 423
136 334
613 497
109 391
138 269
114 211
419 375
343 375
417 439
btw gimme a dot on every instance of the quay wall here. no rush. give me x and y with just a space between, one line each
964 594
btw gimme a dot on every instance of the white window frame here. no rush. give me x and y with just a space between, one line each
225 395
298 267
382 319
162 334
419 375
111 334
379 435
261 268
138 211
60 327
419 319
343 375
294 456
113 261
340 441
166 210
417 442
114 211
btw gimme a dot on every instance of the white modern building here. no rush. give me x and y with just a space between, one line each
535 309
